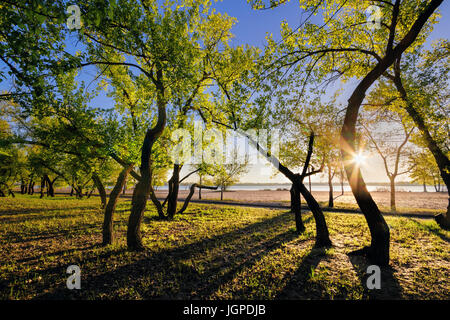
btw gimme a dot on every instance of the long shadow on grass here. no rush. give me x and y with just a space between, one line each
429 228
81 229
297 286
390 287
194 270
15 212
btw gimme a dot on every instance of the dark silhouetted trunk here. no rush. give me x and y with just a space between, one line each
424 186
174 186
221 192
108 232
43 182
101 189
330 188
31 187
296 208
200 189
322 235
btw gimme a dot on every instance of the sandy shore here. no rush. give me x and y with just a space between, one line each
418 200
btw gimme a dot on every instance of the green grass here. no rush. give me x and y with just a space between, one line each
209 252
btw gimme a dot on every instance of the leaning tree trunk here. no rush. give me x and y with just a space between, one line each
101 188
108 233
393 208
322 234
191 193
296 208
143 187
442 161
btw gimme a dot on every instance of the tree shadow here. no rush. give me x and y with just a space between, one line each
436 232
296 287
15 212
191 271
390 287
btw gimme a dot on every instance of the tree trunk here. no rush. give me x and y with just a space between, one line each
71 192
200 189
378 252
23 188
221 193
322 235
143 187
442 161
309 182
296 208
31 188
108 232
424 187
393 208
43 181
191 193
330 188
174 186
101 189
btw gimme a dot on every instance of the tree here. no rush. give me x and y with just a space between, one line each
390 144
228 173
424 169
340 48
425 93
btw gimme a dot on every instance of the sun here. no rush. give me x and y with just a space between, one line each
359 159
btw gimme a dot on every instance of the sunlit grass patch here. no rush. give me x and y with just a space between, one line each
210 251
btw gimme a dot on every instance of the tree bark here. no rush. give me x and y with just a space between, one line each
296 208
108 232
101 189
143 187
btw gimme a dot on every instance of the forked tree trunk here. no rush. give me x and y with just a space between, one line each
108 232
296 208
101 188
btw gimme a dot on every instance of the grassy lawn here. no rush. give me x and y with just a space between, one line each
209 252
